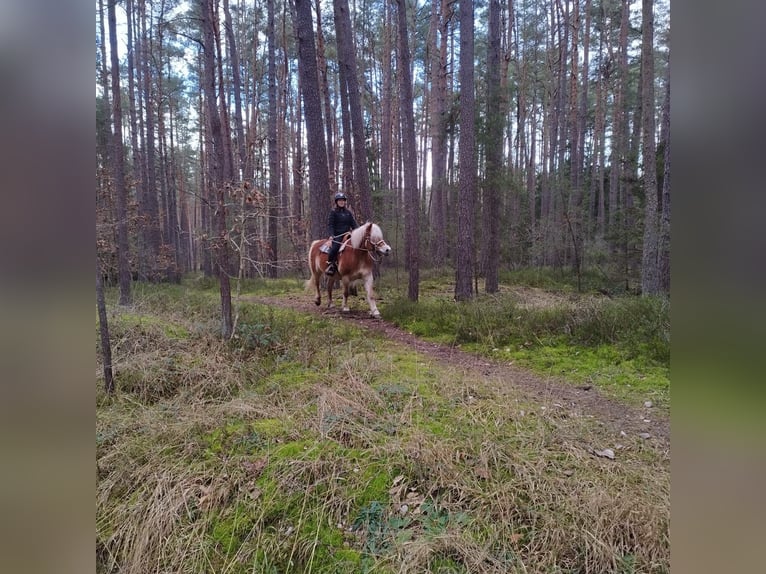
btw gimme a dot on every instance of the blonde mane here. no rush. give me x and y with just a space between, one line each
357 235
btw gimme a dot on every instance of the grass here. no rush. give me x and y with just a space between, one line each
311 446
620 344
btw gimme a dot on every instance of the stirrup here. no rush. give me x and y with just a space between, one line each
330 269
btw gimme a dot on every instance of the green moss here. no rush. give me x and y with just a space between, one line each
271 428
347 557
289 375
605 366
171 330
374 486
231 526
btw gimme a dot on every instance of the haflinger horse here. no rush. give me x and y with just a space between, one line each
355 261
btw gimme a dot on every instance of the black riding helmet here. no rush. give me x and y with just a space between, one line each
340 195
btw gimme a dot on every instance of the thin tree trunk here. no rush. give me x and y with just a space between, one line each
386 114
347 63
237 88
664 245
439 141
117 156
411 196
467 151
618 125
319 180
215 163
273 150
151 204
491 204
329 117
650 275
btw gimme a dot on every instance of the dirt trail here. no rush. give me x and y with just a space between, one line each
583 400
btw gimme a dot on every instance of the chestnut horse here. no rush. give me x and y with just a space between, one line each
355 261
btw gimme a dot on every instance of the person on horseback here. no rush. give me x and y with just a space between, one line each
339 222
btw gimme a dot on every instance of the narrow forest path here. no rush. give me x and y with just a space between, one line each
552 392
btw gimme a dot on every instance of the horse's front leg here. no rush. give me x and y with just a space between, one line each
346 285
371 296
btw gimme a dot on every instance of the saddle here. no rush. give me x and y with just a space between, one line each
325 247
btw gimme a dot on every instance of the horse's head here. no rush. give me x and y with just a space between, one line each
374 236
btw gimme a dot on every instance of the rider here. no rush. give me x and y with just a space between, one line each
340 221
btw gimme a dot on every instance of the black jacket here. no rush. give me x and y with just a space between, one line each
339 221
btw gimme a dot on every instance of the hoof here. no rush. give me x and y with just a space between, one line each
346 309
375 315
317 302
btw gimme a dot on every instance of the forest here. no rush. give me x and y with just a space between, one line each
509 412
484 136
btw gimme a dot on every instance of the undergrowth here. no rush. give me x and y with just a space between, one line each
307 445
621 344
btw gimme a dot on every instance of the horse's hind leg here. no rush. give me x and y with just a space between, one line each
330 284
318 298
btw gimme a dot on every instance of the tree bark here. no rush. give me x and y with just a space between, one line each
348 68
439 140
273 150
619 135
237 89
118 160
319 179
215 165
150 211
650 275
664 247
411 196
467 151
324 85
494 154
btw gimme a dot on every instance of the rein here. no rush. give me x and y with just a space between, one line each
374 251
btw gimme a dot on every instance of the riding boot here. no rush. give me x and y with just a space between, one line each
331 268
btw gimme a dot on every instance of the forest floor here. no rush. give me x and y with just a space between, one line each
581 400
330 442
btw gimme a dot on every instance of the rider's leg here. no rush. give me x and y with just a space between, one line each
332 257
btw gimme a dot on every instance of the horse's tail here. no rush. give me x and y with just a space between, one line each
311 281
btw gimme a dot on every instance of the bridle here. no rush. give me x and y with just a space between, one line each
375 246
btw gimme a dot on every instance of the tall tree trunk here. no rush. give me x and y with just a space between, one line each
319 179
573 213
439 139
664 246
237 88
411 196
324 85
151 211
223 108
494 153
345 118
118 160
619 126
599 135
348 66
386 114
650 275
467 151
215 163
273 150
